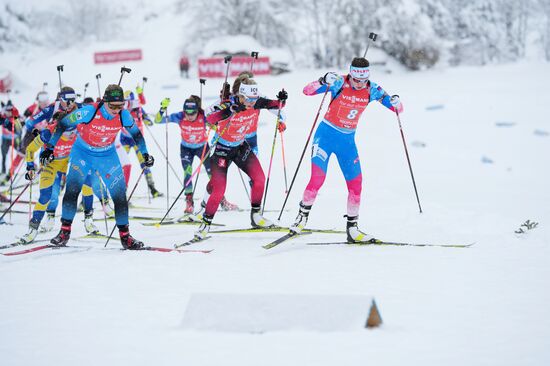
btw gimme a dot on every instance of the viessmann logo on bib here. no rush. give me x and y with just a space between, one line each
355 99
104 128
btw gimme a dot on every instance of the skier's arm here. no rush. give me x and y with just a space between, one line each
270 104
70 121
44 114
34 146
128 122
160 118
141 96
380 95
146 118
28 111
331 81
172 117
219 113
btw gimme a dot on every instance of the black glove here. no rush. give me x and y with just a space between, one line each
59 115
225 92
46 156
30 174
282 95
148 160
237 106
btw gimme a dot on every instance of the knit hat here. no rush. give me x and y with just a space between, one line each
113 93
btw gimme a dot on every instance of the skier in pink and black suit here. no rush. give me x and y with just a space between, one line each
233 118
336 135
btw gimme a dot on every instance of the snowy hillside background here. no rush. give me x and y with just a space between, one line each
478 131
418 33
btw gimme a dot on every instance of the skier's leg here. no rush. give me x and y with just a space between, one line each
186 157
110 171
50 179
350 164
123 157
80 165
79 169
321 151
247 161
5 148
221 160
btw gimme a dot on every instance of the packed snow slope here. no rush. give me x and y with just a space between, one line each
479 144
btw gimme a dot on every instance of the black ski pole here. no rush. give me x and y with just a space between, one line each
303 153
227 60
144 81
59 70
254 55
123 69
97 77
202 82
18 196
372 38
162 152
408 159
167 162
102 201
85 88
271 158
128 200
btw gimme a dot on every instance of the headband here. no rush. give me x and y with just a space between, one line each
362 73
249 91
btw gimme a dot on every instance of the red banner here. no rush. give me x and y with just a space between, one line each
117 56
214 67
5 82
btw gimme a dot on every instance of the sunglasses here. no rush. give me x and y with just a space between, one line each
190 111
68 101
360 81
250 100
115 107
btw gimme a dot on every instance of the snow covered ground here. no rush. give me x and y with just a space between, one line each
478 182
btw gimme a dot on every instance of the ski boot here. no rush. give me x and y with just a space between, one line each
228 206
31 235
89 224
204 228
198 216
48 224
62 238
152 189
354 234
127 241
301 219
189 203
257 220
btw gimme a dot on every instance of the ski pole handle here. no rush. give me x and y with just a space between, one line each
372 38
123 69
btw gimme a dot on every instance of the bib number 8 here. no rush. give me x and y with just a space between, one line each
352 114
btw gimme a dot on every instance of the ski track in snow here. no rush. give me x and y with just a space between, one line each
484 305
